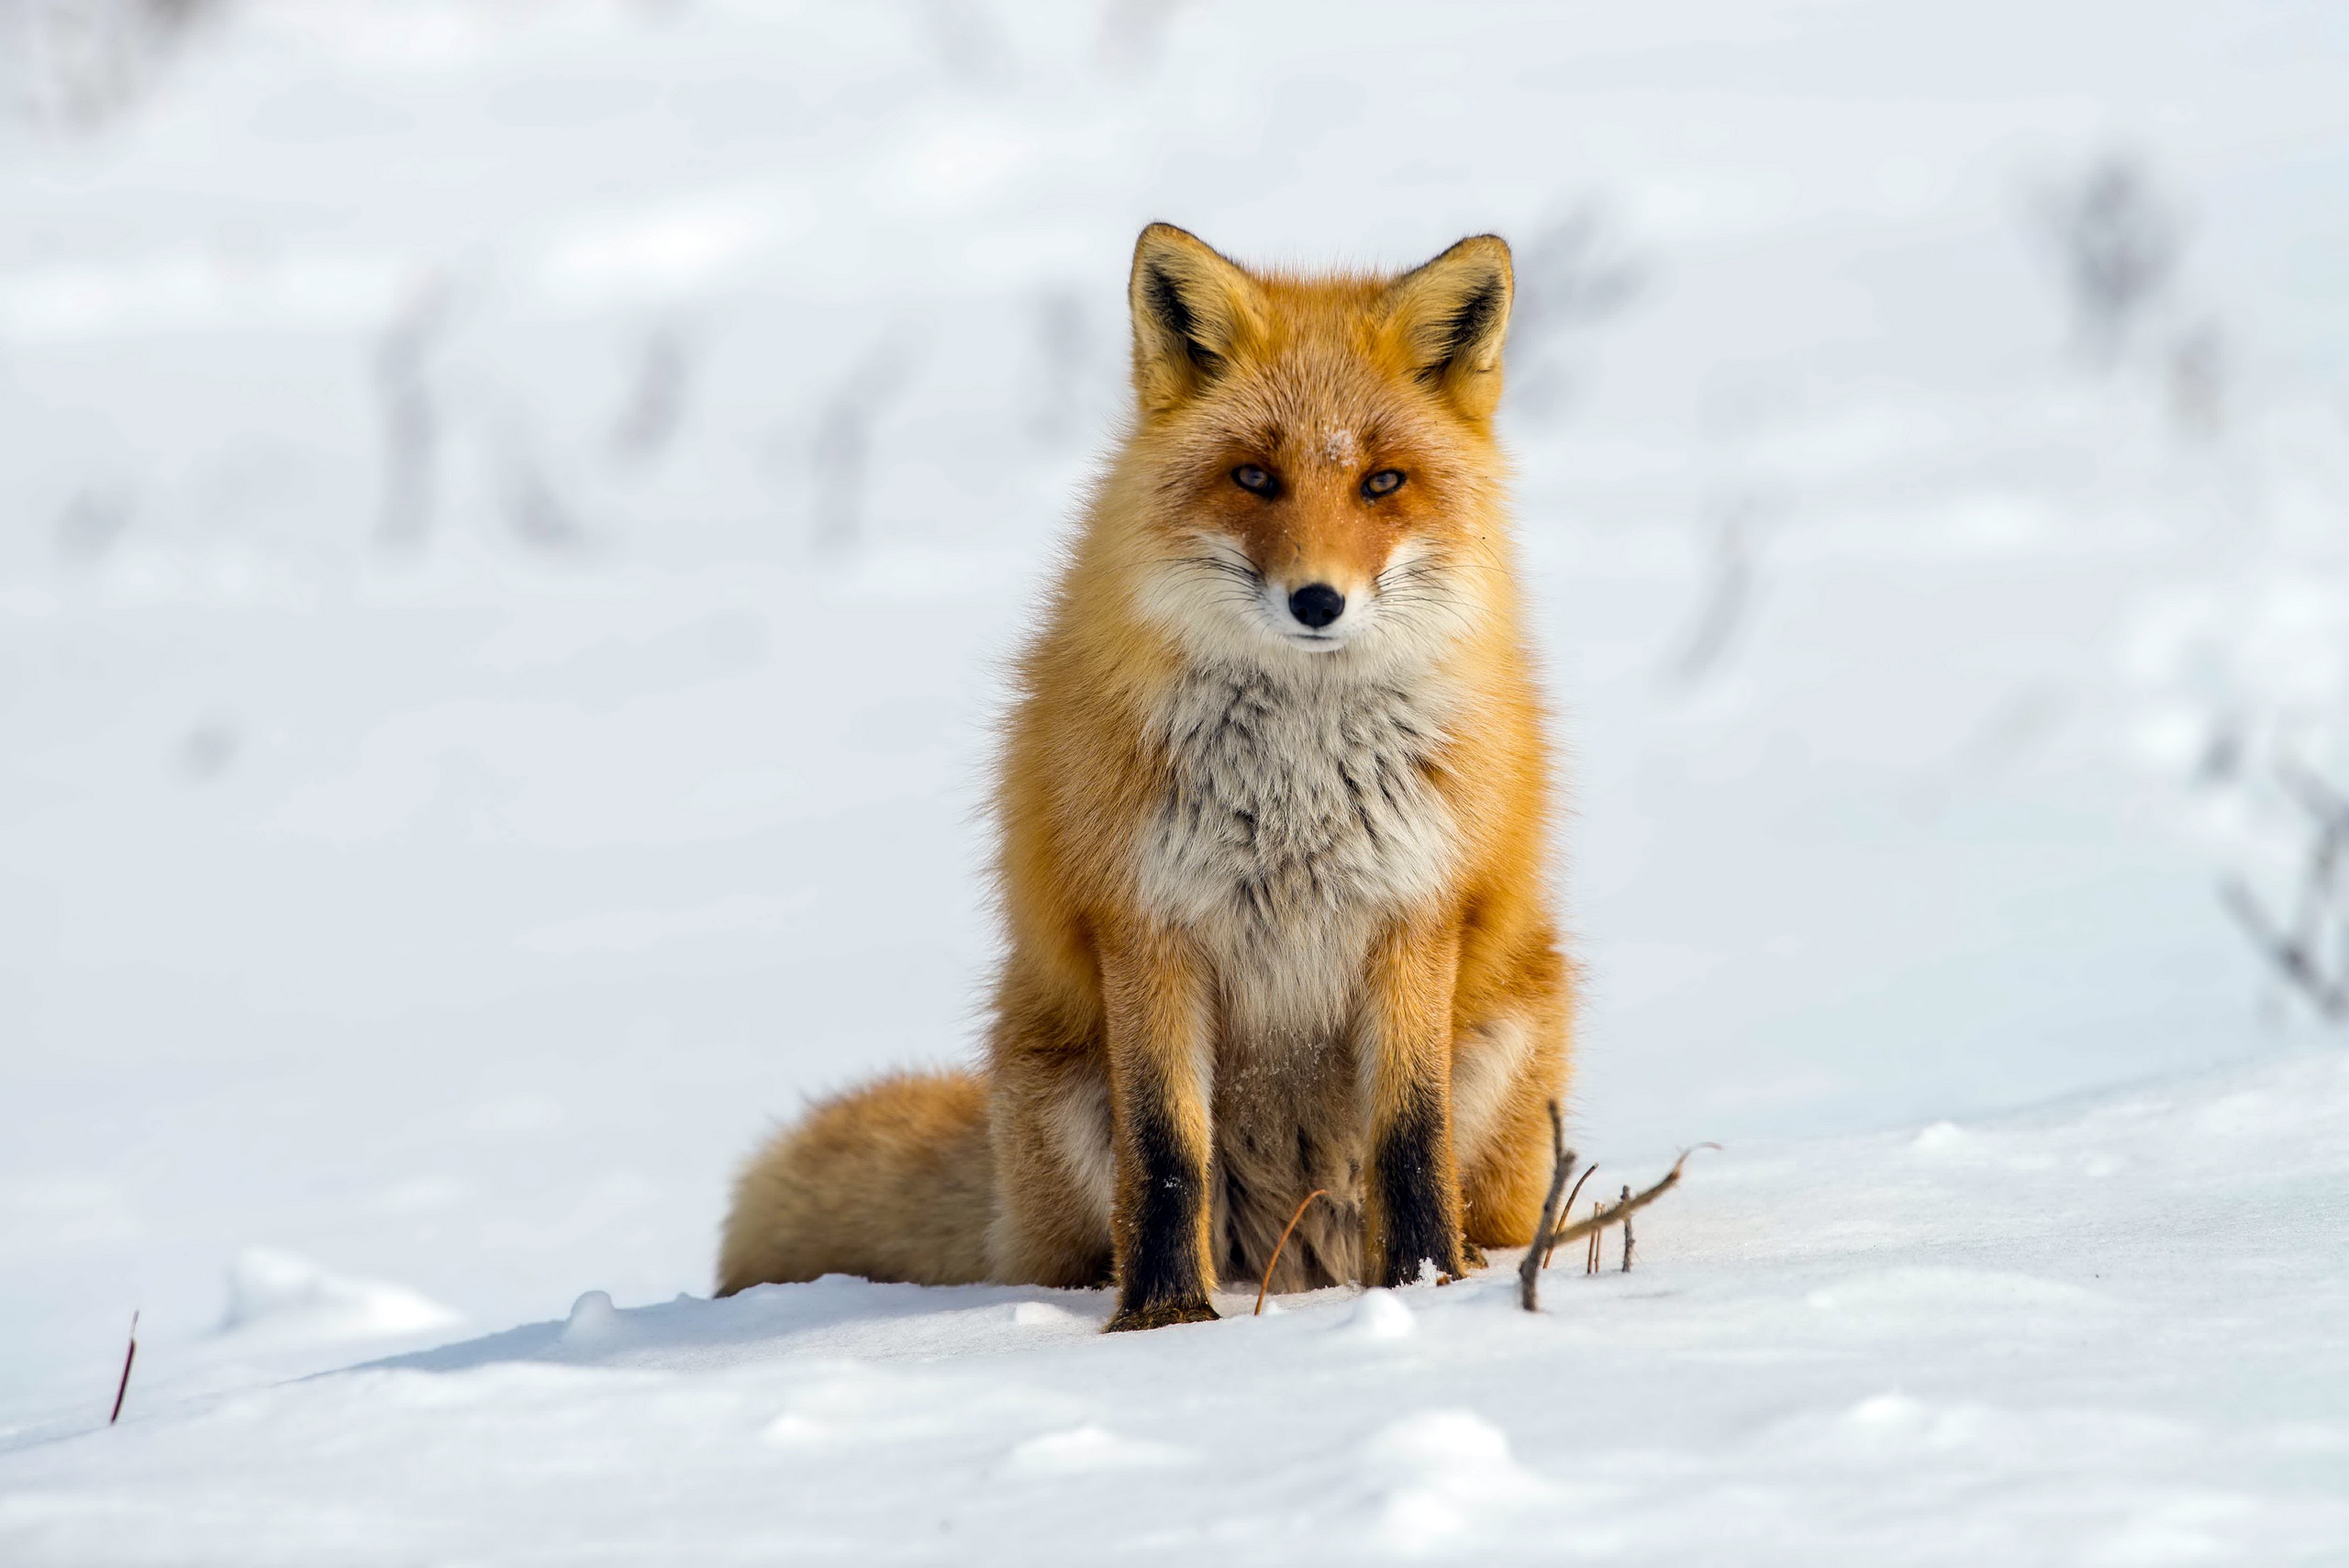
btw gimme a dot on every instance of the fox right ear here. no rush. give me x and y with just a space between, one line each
1452 315
1192 310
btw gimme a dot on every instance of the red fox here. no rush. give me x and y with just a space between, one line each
1273 807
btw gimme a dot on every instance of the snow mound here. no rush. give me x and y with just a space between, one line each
1445 1468
282 1298
594 1323
1379 1314
1082 1450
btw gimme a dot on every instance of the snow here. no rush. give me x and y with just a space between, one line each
277 1295
519 513
2102 1334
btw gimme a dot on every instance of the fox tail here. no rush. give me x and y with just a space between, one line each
892 1181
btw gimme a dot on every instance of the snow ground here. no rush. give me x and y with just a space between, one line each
2105 1334
515 513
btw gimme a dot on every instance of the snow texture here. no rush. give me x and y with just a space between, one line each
517 514
2103 1334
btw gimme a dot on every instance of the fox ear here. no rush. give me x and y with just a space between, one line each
1452 315
1192 310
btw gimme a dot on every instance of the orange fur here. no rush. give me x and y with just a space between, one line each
890 1181
1275 892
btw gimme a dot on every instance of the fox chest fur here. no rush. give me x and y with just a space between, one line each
1300 811
1299 815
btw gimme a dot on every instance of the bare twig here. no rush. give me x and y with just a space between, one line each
1632 1204
1575 271
1133 33
85 64
842 442
1728 590
1261 1290
1562 1166
1572 275
656 398
539 516
1567 1208
2119 241
122 1388
92 520
1553 1229
2317 797
2320 914
2292 954
2197 379
411 414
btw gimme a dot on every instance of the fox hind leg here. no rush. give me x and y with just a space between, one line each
1055 1164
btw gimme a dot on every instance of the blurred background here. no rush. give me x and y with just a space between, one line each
512 517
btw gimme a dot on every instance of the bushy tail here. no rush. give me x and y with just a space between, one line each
892 1181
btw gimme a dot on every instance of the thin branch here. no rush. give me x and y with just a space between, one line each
2316 796
656 399
2320 917
122 1388
1632 1204
405 399
2120 240
1728 590
1550 1251
842 440
1562 1166
1261 1290
2329 994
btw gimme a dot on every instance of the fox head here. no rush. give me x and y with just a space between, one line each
1311 474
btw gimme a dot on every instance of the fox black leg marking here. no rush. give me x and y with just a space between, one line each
1163 1280
1411 1169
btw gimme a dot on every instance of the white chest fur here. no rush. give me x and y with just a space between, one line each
1300 816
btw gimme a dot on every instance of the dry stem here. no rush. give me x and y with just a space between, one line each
128 1356
1604 1218
1553 1229
1550 1251
1563 1165
2321 917
1263 1289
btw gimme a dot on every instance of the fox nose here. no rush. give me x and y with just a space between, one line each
1317 604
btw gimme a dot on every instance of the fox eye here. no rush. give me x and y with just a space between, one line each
1386 481
1254 480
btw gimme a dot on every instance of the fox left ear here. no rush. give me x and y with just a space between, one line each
1452 315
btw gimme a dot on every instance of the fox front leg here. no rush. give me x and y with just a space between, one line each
1156 996
1413 1210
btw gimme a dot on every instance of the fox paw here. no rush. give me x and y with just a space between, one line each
1472 1256
1160 1314
1429 1272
